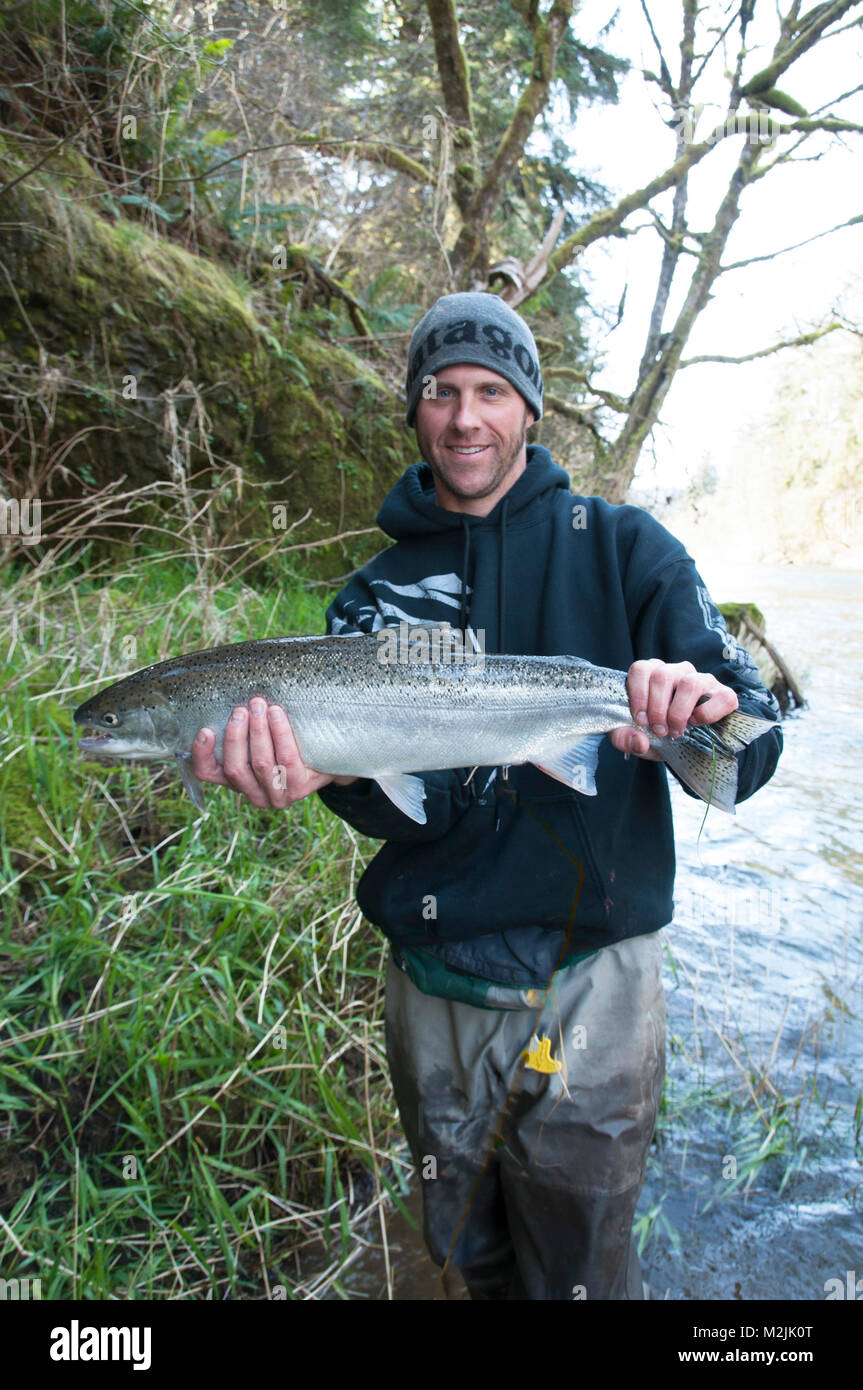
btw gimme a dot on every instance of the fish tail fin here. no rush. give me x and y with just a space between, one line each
705 758
736 731
706 768
574 766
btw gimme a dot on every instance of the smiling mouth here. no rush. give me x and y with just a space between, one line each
467 451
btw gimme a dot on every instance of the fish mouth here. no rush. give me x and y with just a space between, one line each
96 742
102 745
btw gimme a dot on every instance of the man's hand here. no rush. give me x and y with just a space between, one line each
260 758
664 698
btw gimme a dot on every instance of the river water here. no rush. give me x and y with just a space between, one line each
754 1183
764 983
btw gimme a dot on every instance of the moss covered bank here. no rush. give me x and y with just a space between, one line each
124 355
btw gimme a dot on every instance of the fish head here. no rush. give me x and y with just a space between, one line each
129 721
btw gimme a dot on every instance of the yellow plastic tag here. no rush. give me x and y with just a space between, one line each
541 1060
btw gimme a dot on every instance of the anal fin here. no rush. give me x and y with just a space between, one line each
405 791
575 766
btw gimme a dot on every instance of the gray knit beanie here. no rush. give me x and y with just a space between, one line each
478 329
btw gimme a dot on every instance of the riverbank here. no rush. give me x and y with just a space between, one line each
191 1040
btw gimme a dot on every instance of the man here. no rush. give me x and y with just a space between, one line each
525 1011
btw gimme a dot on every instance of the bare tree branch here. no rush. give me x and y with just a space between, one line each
372 150
610 398
810 28
471 247
806 127
712 49
802 340
674 239
376 152
852 92
608 221
523 280
572 412
771 255
853 24
665 81
654 383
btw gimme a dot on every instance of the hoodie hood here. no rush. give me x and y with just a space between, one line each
410 510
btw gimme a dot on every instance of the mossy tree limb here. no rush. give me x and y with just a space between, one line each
455 86
469 257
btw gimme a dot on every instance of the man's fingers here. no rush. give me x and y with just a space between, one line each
687 692
665 697
633 741
720 701
204 763
287 754
260 758
273 754
651 685
699 699
262 755
638 685
236 764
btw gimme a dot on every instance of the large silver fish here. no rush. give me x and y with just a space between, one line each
374 706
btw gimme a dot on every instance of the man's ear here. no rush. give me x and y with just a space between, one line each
531 419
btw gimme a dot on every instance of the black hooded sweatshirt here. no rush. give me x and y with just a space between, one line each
514 874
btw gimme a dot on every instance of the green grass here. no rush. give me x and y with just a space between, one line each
194 1098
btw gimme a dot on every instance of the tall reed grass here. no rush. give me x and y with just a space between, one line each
195 1101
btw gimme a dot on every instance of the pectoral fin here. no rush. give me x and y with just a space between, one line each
190 781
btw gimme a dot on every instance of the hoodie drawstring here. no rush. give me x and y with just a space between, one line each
463 609
503 773
501 578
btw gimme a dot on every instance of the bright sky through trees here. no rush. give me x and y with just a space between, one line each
756 306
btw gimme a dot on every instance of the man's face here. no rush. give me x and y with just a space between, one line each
472 436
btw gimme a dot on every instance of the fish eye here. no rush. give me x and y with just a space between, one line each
110 719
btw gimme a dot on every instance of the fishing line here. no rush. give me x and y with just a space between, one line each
709 801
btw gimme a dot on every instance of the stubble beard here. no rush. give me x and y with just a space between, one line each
504 467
